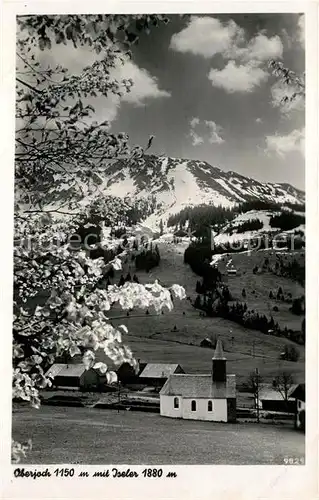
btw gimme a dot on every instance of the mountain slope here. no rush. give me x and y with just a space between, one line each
176 183
174 179
170 184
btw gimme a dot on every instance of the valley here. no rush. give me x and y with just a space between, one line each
174 337
159 246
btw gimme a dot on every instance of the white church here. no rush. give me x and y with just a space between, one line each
201 397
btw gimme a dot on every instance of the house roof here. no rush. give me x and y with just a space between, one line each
64 370
159 370
267 393
199 386
298 391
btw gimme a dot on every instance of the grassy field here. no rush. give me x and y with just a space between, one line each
88 436
153 339
262 284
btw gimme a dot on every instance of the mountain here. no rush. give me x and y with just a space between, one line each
176 183
167 185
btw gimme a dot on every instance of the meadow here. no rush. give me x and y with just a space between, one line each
174 337
91 436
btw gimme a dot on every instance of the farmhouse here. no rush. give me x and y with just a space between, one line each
272 400
201 397
231 271
74 376
298 393
156 374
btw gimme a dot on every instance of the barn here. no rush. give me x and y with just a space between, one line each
201 397
74 376
272 400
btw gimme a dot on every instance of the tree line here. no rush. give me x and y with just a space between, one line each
216 304
286 220
249 225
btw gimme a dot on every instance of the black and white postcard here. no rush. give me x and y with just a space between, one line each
154 203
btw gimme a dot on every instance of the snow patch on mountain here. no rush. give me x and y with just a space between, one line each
123 187
171 184
263 215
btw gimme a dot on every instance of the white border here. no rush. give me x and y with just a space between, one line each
222 482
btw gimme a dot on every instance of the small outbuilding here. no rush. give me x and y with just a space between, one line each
156 374
207 343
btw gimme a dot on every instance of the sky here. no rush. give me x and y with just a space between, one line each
202 87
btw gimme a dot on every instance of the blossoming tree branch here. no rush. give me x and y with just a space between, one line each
60 304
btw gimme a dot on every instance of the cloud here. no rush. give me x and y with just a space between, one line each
258 120
301 30
284 144
288 40
215 130
210 131
145 86
206 36
261 48
238 78
196 139
194 122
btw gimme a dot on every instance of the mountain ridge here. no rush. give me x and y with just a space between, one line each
168 185
154 168
177 183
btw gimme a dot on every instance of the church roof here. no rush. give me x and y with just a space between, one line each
219 353
199 386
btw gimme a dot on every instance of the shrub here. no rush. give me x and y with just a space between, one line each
290 353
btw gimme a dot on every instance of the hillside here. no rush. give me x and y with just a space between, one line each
238 229
175 336
176 183
168 185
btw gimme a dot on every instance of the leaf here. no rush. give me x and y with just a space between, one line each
102 367
111 377
124 328
88 359
117 264
74 349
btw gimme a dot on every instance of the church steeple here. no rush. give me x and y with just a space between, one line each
219 364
